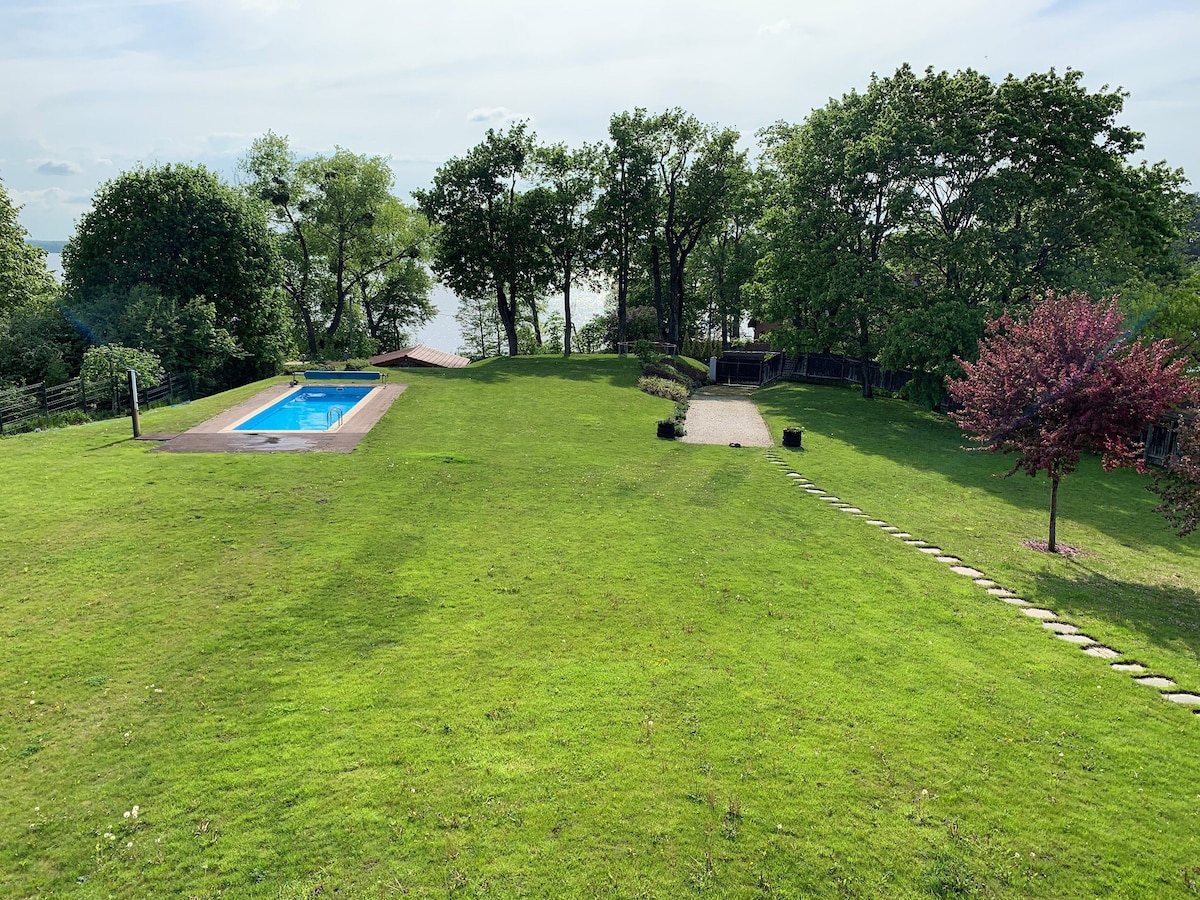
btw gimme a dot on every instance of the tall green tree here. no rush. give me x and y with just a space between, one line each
343 237
173 242
567 193
23 274
624 215
489 241
930 202
696 165
36 342
837 192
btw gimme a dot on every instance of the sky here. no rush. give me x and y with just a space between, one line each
96 87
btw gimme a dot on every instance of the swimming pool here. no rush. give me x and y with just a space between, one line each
307 408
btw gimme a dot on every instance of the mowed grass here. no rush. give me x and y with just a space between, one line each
514 645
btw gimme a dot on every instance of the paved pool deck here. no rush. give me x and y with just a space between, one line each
210 436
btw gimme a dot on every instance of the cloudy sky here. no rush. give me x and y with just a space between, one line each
94 87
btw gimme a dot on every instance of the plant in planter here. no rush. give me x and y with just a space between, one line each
792 436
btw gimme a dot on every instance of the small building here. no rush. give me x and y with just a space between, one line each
420 355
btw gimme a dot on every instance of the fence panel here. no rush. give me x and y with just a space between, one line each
19 405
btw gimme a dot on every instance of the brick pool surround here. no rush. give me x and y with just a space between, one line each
215 436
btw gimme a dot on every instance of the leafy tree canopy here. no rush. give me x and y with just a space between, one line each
168 248
1066 380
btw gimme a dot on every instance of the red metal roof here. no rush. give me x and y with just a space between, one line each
420 355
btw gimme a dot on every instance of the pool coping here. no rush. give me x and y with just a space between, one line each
212 437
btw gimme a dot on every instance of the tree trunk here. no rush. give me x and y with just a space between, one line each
567 307
864 347
656 273
1052 545
508 317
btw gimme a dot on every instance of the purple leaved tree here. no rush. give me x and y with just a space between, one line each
1066 380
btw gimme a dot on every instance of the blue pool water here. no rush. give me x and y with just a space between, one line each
311 408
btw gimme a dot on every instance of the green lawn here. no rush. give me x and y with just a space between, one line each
514 645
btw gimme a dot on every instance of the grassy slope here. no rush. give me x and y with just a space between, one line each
514 645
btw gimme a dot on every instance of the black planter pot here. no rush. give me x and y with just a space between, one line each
792 438
666 430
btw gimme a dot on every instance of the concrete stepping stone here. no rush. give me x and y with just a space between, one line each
965 570
891 529
1157 681
901 534
814 490
876 522
1128 667
995 590
985 583
851 509
1060 627
948 559
1103 652
1036 612
794 475
1081 639
915 542
1187 698
832 499
1016 601
933 550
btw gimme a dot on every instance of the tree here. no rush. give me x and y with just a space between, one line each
178 234
480 326
36 342
342 236
489 242
1178 485
837 194
624 213
567 193
108 365
23 274
1067 380
726 260
902 219
696 165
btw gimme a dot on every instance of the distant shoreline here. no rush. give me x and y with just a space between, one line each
49 246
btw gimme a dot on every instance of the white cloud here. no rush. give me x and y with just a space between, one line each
492 115
59 168
776 28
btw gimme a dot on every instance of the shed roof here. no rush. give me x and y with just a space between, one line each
420 355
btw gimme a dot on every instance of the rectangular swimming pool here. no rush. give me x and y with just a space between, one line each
308 408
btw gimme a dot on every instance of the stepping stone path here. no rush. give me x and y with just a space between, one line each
965 570
1154 681
1076 639
1189 699
1064 631
1060 627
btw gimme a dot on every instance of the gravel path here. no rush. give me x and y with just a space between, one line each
725 414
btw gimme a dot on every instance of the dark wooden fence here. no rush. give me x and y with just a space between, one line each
834 368
19 405
742 367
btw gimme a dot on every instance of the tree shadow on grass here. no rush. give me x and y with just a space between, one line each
908 435
1166 616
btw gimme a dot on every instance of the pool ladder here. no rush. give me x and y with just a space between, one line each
333 416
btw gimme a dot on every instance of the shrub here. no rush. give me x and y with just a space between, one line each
664 370
696 371
662 387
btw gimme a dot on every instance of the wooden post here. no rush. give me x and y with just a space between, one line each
133 404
